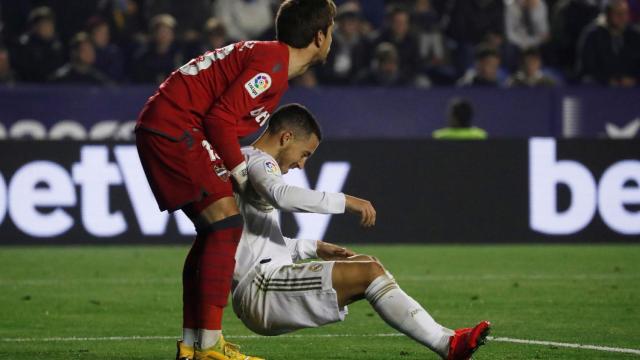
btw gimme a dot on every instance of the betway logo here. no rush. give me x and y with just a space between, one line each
41 193
617 191
46 184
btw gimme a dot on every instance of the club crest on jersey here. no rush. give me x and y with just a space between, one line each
315 267
271 168
258 84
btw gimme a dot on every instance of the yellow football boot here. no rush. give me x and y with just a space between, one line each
223 350
185 352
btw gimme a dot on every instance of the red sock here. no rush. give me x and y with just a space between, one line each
217 262
190 288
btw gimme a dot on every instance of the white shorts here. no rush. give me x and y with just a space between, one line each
277 299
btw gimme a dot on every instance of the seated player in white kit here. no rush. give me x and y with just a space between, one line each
273 295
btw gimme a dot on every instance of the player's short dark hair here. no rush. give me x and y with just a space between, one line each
460 112
295 117
298 21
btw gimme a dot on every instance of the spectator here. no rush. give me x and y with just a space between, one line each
568 19
473 22
161 55
71 16
349 50
434 57
385 68
7 75
526 23
80 69
398 33
373 11
245 19
215 37
190 15
485 71
530 73
109 58
460 118
126 21
427 21
39 52
609 49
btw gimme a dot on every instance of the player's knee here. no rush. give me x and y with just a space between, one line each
375 269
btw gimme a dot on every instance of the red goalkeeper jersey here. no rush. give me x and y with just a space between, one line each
227 93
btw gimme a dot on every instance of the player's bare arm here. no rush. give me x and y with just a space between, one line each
361 207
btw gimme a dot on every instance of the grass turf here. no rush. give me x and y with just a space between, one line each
574 294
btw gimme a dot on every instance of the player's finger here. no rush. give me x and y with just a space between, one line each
372 215
367 218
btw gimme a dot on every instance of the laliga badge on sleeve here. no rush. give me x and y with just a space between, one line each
272 168
258 84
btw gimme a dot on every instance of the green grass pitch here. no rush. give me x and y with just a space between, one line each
570 294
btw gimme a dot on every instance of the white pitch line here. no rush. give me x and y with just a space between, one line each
567 345
491 338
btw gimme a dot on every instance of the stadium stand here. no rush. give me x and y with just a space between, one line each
434 41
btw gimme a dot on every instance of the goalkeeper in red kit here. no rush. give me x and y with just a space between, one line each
187 137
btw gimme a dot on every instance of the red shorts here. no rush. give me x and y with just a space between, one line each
182 171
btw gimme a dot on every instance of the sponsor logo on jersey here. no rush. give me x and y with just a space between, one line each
258 84
271 168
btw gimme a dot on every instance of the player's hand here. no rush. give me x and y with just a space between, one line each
328 251
363 208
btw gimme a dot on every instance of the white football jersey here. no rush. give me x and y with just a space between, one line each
267 194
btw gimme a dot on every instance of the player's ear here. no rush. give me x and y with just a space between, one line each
319 38
286 137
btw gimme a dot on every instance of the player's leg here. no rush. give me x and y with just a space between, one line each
354 280
186 347
180 172
219 227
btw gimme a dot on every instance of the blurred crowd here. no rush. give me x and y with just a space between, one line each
422 43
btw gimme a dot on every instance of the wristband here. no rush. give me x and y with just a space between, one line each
240 175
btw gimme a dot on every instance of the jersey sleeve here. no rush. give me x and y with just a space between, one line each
301 249
251 90
266 179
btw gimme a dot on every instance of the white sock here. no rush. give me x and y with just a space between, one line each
208 338
404 314
189 336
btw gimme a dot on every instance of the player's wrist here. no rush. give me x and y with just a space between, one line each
241 175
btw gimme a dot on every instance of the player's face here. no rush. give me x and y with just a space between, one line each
325 46
296 152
